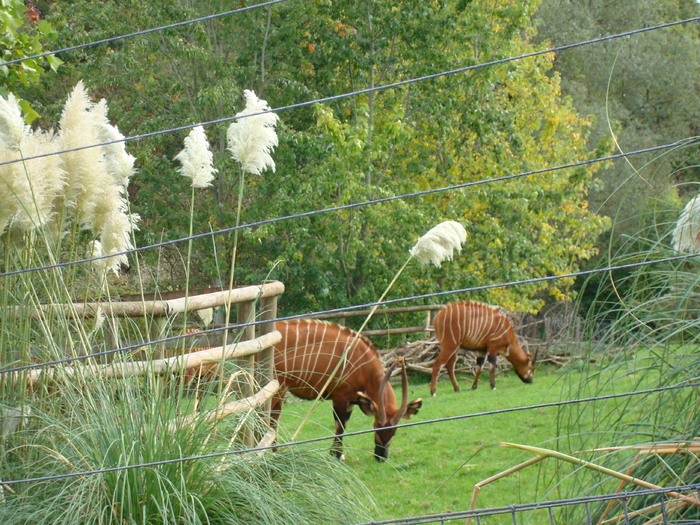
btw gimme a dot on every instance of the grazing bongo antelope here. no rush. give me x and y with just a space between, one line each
481 328
317 356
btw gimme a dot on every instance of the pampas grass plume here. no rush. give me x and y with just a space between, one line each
439 243
686 234
196 159
252 139
12 126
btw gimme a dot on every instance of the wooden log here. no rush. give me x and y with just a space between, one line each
363 313
239 406
162 366
237 295
159 308
396 331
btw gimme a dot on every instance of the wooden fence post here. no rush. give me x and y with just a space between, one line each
246 314
264 372
159 330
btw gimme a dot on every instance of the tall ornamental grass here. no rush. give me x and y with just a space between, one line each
134 422
644 326
70 423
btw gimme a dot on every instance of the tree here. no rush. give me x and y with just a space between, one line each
643 89
22 34
493 121
496 121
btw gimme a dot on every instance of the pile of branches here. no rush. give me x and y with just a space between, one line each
420 356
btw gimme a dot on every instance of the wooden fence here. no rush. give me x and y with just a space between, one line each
427 327
160 311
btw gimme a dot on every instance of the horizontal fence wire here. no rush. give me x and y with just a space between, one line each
365 91
386 302
681 143
143 32
349 434
624 497
512 509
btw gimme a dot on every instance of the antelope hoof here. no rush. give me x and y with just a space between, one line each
473 387
432 394
342 457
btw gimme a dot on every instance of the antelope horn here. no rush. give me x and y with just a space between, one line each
404 392
381 411
534 359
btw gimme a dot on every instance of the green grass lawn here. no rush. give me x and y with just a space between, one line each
432 468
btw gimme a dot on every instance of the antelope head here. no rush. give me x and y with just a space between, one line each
385 412
526 368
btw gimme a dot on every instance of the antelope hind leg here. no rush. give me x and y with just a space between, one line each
341 415
492 371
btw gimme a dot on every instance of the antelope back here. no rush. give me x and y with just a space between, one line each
473 325
314 355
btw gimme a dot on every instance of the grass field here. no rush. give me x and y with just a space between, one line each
433 468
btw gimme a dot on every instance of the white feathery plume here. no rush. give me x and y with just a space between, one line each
196 159
206 315
29 188
86 173
686 234
119 163
9 204
94 249
12 126
115 237
252 139
97 177
439 243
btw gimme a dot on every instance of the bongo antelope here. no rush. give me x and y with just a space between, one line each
317 356
481 328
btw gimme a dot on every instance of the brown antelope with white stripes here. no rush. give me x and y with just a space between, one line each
321 357
483 329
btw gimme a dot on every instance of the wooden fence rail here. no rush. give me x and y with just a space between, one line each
429 309
253 353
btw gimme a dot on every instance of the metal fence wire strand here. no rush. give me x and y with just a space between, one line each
515 509
624 511
663 509
588 513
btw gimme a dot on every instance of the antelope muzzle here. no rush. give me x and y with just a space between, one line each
381 452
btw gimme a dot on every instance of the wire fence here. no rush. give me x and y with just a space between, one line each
661 510
513 510
331 311
249 450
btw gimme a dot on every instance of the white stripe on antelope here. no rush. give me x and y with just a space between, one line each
317 356
483 329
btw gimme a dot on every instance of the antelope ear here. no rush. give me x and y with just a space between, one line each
412 408
368 407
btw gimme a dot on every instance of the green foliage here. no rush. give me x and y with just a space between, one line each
447 131
639 91
22 34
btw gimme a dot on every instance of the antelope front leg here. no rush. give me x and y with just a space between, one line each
341 415
451 371
480 358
